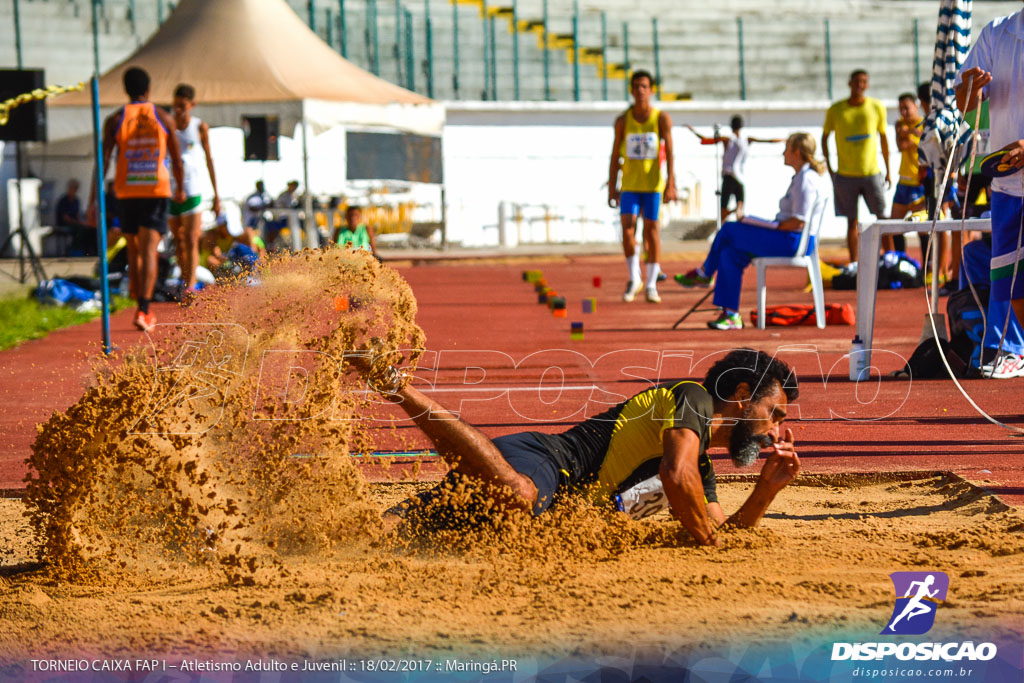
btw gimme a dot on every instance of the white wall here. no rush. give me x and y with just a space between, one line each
559 153
534 153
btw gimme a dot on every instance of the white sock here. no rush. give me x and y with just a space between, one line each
652 274
700 271
633 266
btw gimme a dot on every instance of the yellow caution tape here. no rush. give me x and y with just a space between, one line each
39 94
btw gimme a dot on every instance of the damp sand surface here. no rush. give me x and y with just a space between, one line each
818 566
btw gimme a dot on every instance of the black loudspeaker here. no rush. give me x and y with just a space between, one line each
28 120
260 138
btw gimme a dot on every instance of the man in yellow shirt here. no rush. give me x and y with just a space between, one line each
909 190
856 122
643 139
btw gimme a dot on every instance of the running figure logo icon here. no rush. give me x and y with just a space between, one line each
918 595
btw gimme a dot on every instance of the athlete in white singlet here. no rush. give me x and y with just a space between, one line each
185 218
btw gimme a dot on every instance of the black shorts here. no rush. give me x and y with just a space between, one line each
527 456
142 213
731 188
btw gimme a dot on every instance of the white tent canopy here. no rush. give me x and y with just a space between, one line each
253 57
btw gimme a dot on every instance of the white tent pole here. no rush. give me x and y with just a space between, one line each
309 226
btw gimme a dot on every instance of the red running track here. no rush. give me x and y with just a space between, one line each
498 356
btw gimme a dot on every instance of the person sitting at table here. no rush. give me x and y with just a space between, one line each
737 243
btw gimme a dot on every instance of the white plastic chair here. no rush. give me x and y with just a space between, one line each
801 259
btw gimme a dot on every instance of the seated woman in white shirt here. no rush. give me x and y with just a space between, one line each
737 243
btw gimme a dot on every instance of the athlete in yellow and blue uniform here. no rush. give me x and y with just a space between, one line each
643 140
665 430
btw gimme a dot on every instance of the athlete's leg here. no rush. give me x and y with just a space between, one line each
134 265
192 229
147 241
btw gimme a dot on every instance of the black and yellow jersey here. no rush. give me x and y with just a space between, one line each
623 445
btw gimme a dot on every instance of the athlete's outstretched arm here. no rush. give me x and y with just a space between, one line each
680 476
779 469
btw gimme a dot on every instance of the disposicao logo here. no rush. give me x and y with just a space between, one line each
918 595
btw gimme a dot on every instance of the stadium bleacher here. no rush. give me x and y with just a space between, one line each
794 50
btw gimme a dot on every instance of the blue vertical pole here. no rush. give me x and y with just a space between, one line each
494 60
311 11
917 52
410 55
604 56
160 11
329 26
429 27
371 7
342 29
657 59
101 203
547 57
455 49
743 69
398 41
828 57
515 49
487 51
625 56
576 56
17 34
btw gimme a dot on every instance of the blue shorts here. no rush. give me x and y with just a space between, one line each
908 195
646 204
1006 233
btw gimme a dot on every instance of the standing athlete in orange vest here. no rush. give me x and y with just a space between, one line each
142 183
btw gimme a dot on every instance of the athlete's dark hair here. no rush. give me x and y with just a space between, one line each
136 82
757 369
736 122
907 96
185 90
640 73
857 72
924 91
352 208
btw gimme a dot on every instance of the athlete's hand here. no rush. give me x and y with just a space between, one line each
179 196
782 466
670 193
888 180
613 198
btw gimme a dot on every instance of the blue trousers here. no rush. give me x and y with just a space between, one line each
735 245
975 265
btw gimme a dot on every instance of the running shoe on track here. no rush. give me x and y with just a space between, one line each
693 279
633 288
144 321
1005 366
727 321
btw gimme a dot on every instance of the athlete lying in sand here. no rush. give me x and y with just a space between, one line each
665 430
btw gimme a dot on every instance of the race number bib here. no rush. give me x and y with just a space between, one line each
642 146
643 499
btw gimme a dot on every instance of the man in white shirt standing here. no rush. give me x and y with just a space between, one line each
734 161
994 69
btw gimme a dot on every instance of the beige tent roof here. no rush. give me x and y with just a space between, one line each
238 51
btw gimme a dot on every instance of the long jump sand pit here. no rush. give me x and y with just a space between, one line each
577 581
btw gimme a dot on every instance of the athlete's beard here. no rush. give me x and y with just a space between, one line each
744 444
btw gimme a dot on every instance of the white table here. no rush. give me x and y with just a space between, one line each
867 264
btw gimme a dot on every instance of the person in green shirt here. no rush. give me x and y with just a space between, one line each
859 124
355 234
